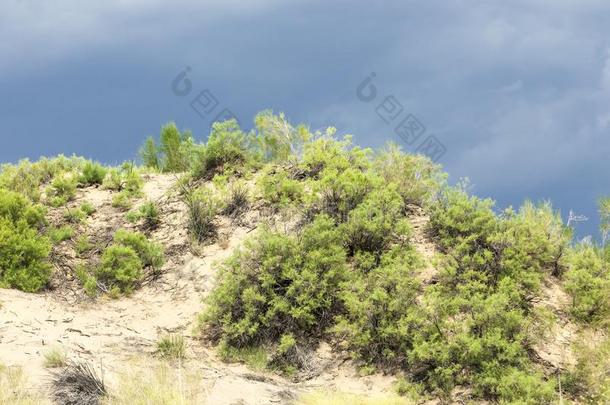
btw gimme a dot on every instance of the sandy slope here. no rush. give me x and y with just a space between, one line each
108 333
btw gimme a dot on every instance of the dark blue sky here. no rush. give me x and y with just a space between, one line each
518 92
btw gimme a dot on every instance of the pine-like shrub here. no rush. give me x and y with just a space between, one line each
23 250
278 284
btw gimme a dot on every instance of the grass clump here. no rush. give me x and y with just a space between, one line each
342 398
77 383
156 382
237 201
61 234
82 245
87 208
15 388
172 347
54 358
149 213
74 216
203 207
122 201
92 173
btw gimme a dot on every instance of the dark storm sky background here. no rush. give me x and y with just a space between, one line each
517 91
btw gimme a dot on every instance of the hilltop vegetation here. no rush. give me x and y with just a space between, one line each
343 267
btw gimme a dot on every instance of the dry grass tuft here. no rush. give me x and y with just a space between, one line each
155 382
14 388
340 398
77 384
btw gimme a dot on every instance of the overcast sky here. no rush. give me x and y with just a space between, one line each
518 92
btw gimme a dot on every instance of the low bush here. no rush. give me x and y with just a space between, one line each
150 253
122 201
92 173
74 216
418 179
337 193
126 179
24 250
277 285
589 380
82 245
149 212
278 189
62 189
120 267
87 208
228 149
61 234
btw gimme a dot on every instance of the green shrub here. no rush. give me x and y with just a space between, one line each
149 153
126 179
588 283
589 380
149 211
87 208
88 281
277 188
92 173
228 148
122 201
23 250
82 245
120 267
60 234
278 284
63 188
337 193
150 253
376 223
381 311
15 208
419 180
328 153
279 140
74 216
176 149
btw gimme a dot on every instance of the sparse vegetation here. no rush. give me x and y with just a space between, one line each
172 347
54 358
15 388
146 382
336 258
